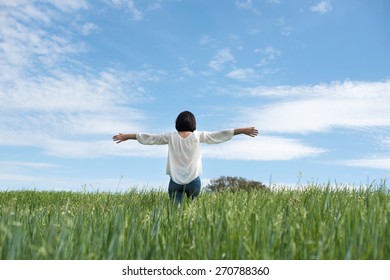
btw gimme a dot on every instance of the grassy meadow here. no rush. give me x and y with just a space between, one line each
311 223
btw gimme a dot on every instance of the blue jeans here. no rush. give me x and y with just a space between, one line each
176 191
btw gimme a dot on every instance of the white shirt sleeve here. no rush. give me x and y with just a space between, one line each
152 139
216 137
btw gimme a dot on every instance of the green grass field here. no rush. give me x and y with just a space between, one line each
312 223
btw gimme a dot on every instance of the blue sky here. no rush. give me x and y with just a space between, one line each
313 76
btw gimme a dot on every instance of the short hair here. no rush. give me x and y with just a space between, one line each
185 121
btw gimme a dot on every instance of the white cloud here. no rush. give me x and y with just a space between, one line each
65 6
16 173
241 74
378 160
17 178
236 40
69 5
269 55
128 5
68 92
261 148
222 57
286 30
26 38
88 28
253 31
385 142
377 163
154 6
207 42
188 71
67 111
70 107
319 108
322 7
29 164
246 5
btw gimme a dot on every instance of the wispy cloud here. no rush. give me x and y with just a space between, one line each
207 42
310 109
262 148
242 74
380 159
129 6
375 162
47 97
253 31
247 5
29 164
154 6
236 40
269 54
222 57
285 29
70 5
322 7
26 42
15 173
69 92
320 108
137 9
187 71
88 28
70 107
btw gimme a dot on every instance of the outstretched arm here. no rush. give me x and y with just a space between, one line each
217 137
123 137
143 138
250 131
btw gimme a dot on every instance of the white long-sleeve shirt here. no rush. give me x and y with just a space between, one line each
184 162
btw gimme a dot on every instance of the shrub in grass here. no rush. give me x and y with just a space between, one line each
234 183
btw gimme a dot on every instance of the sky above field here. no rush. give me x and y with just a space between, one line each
312 75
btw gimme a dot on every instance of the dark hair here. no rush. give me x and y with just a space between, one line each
185 121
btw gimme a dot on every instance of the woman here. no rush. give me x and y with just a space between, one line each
184 165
